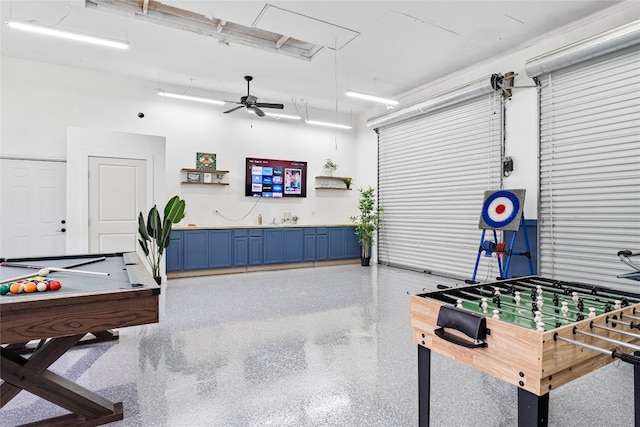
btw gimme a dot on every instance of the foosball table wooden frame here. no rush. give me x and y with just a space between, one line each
535 361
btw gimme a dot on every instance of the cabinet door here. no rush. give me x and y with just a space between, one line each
322 244
337 246
196 254
240 248
293 245
273 246
309 244
255 247
175 251
220 248
352 244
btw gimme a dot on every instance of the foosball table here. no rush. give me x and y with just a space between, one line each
533 332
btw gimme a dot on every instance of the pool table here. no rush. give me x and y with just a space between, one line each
124 295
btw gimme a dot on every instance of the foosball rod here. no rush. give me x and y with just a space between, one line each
629 358
560 291
609 340
475 303
608 295
622 322
527 300
556 291
617 331
565 319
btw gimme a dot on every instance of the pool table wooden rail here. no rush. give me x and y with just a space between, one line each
63 318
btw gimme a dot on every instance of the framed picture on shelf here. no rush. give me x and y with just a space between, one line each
206 177
193 176
206 161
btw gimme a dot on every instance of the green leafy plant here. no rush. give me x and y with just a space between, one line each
330 166
368 221
153 235
347 182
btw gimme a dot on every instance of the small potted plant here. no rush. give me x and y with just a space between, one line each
294 219
367 222
347 182
330 167
153 235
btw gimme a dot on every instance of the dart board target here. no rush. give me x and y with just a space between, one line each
502 210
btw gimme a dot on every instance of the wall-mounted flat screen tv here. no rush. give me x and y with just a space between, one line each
275 178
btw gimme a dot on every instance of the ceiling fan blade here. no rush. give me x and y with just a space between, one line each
256 110
233 109
267 105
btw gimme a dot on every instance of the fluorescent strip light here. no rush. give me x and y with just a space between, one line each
371 98
190 98
48 31
276 115
333 125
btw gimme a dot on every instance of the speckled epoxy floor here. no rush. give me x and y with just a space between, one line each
327 346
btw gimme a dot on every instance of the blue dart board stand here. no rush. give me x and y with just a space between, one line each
502 210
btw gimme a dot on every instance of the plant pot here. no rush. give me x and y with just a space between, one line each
365 261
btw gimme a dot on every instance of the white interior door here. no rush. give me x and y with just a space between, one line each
33 208
117 193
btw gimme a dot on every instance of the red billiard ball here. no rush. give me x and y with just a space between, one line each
54 285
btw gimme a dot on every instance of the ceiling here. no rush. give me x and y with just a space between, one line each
383 48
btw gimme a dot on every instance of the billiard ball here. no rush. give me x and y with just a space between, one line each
30 287
4 289
16 288
41 286
54 285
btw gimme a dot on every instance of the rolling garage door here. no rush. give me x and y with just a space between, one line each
433 171
590 161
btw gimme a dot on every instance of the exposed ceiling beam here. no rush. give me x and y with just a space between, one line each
282 40
228 32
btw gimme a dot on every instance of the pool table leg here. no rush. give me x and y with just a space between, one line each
533 410
33 376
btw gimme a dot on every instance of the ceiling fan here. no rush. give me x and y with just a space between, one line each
250 103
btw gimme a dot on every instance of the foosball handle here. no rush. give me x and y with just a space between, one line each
441 333
629 358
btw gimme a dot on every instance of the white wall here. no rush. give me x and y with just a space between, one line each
41 101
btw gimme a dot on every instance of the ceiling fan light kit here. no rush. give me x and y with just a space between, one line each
54 32
372 98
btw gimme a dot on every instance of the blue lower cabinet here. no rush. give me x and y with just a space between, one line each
337 245
293 245
196 253
309 244
175 251
203 249
255 247
220 244
322 244
353 249
240 247
274 246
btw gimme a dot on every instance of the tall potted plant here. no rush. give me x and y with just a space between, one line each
367 222
153 235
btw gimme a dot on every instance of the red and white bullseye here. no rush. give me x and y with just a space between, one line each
500 209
